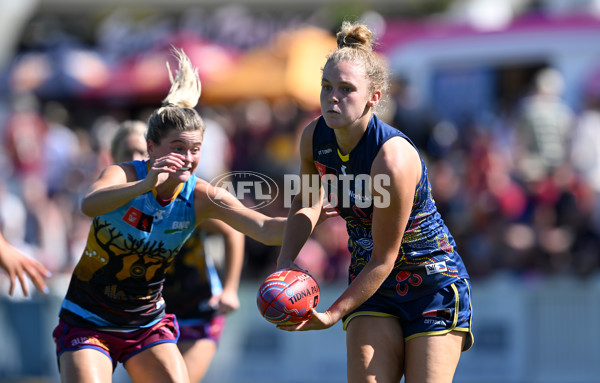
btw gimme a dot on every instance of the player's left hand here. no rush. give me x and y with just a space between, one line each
317 321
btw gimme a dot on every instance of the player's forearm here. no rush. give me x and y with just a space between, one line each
273 231
362 288
105 200
300 225
234 260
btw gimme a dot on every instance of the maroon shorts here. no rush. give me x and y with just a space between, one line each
202 329
118 346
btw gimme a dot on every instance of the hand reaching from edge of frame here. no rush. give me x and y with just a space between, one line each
17 265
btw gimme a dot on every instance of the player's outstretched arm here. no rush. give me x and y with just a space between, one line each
234 241
258 226
17 265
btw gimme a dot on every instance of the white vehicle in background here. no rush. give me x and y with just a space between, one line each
492 69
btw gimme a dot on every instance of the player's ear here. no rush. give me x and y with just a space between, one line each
150 147
375 98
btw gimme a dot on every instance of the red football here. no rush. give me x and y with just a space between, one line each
287 296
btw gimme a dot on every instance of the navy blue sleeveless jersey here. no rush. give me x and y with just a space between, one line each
118 281
427 259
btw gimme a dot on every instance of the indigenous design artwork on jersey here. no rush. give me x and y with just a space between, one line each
122 256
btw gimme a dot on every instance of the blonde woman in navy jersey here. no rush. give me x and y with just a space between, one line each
143 212
407 309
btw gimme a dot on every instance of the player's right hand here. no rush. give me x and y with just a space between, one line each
289 265
162 167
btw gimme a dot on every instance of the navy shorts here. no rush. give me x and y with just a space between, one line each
118 346
448 309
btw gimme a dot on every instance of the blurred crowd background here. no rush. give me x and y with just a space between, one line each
502 99
509 129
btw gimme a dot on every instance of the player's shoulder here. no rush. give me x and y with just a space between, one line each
203 188
205 194
122 172
129 169
308 131
397 152
306 139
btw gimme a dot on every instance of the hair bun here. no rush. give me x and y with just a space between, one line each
356 36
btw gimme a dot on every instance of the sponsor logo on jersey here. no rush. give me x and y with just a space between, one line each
178 226
322 169
138 219
440 313
436 268
435 322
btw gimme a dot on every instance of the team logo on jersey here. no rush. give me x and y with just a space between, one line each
138 219
320 168
159 215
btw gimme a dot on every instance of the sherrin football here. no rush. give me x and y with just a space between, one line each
287 296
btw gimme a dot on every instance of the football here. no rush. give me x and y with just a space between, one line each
287 296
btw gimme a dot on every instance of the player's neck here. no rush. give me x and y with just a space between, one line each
347 139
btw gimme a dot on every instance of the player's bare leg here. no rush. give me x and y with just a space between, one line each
197 355
85 366
162 363
364 334
433 359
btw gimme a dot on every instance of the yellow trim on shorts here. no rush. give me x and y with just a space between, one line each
468 342
366 313
441 332
470 333
470 337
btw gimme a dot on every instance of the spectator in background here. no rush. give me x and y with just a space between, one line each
586 151
217 151
543 127
60 149
24 136
409 113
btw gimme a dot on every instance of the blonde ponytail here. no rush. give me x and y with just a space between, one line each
185 87
177 110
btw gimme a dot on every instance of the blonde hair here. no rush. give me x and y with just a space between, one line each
355 44
177 110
